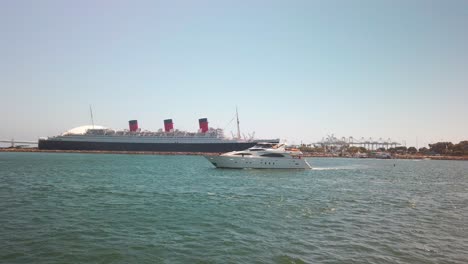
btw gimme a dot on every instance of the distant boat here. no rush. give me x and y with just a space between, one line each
383 155
360 155
261 156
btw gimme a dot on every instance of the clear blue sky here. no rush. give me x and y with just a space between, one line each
298 70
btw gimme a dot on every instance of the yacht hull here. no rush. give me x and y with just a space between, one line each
257 162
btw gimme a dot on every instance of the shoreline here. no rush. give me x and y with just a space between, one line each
307 155
396 156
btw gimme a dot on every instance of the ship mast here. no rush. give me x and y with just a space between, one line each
238 128
91 112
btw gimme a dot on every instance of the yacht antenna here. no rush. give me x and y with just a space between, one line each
91 112
238 128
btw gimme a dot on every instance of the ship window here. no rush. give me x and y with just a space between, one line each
242 154
258 149
273 155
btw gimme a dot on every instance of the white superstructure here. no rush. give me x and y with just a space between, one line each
261 156
102 134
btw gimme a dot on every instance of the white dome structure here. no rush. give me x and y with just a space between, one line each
81 130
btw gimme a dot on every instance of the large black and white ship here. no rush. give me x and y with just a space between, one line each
206 139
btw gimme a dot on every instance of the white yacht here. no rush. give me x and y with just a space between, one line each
261 156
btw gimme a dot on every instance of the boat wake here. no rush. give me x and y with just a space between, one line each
336 168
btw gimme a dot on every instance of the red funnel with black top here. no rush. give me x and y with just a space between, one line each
133 125
203 122
168 125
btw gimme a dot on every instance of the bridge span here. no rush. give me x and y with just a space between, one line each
14 142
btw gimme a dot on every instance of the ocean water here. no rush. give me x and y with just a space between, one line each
99 208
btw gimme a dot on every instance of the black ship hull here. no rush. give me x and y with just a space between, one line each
48 144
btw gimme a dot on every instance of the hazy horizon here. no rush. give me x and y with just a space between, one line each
297 70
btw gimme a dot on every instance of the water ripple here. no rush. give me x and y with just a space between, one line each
67 208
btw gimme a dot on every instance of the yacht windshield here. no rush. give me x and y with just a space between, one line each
264 145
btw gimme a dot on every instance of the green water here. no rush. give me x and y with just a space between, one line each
89 208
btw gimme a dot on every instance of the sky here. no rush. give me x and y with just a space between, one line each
297 70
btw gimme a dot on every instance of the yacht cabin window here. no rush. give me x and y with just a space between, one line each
273 155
